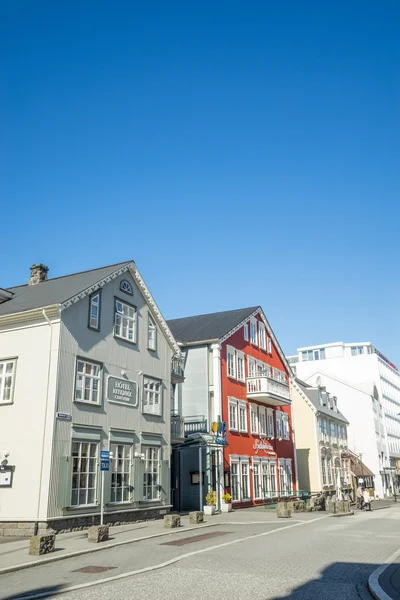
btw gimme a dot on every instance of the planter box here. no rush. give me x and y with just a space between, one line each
226 507
209 510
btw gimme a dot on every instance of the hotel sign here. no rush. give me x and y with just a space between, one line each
263 445
121 390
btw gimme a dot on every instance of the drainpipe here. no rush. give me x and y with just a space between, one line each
217 415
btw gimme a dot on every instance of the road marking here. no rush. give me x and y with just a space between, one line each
166 563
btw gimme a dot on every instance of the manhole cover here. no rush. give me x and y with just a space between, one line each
196 538
93 569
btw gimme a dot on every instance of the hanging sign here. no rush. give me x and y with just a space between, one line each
220 438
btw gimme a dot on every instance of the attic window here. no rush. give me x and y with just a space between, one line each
126 287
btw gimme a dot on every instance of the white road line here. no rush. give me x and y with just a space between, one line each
166 563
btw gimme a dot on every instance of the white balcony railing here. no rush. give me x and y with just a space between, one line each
267 389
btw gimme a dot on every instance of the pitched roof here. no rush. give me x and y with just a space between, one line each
208 327
312 394
54 291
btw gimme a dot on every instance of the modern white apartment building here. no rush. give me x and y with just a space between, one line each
368 386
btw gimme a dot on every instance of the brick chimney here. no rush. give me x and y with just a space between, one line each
38 274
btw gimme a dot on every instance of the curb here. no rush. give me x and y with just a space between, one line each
373 581
51 559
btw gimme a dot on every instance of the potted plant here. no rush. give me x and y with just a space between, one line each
211 501
227 503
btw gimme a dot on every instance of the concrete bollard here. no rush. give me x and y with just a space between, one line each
98 533
330 506
172 521
41 544
284 510
196 517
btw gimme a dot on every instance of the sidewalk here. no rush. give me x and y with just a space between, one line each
14 554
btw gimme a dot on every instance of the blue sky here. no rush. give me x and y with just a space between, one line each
241 153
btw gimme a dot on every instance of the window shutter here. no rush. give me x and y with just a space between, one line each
165 480
64 482
138 479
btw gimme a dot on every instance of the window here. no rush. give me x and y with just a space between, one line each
272 477
94 311
230 360
289 475
121 473
126 287
269 341
151 483
253 332
256 480
261 333
270 422
242 416
152 396
278 417
323 467
87 383
235 491
265 478
285 426
252 367
233 424
151 335
263 422
240 366
277 374
325 429
246 332
254 419
330 471
285 476
125 321
321 429
7 377
355 350
84 473
245 480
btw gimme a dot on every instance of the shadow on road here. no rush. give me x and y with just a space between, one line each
47 592
338 580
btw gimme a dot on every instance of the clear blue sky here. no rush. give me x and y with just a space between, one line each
241 153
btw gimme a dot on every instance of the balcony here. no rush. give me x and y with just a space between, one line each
196 424
177 369
177 427
270 391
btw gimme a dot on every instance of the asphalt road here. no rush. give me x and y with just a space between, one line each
320 558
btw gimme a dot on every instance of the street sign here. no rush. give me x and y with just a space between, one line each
104 465
104 455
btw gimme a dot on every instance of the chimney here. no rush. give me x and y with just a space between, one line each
38 274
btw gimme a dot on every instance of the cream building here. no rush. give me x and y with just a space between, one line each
321 440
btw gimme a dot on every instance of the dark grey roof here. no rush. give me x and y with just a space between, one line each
54 291
312 394
208 327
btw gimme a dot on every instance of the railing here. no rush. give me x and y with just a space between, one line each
178 366
177 426
195 425
267 386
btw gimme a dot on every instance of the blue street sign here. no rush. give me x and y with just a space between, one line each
104 465
104 455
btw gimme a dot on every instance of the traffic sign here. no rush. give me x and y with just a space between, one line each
104 465
104 455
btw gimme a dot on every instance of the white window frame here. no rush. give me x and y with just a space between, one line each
90 381
278 423
242 406
273 474
152 397
254 423
94 311
324 471
235 461
289 475
269 346
88 473
230 362
244 461
151 477
285 426
262 421
125 317
8 372
121 465
233 414
240 366
270 423
262 335
151 334
246 332
251 365
253 332
257 489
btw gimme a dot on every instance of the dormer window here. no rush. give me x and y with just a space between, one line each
126 287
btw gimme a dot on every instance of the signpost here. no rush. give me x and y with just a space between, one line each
104 466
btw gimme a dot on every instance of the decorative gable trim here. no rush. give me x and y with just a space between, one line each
93 288
303 395
237 327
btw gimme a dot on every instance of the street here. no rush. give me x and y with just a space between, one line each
252 556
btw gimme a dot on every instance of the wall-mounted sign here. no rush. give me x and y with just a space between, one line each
64 416
104 460
6 478
122 390
220 438
263 445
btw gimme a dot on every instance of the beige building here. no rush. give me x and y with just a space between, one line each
321 440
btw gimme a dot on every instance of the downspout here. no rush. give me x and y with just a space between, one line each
217 414
45 418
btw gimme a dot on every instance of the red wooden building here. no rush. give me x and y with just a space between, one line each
236 373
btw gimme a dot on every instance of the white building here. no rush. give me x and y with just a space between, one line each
368 387
86 365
